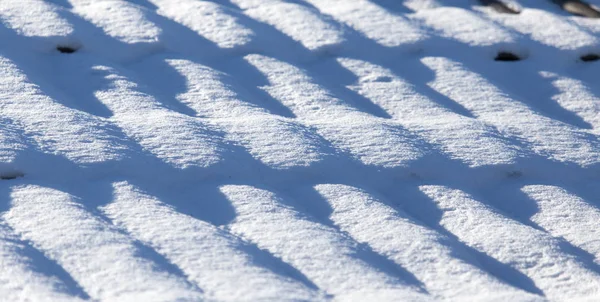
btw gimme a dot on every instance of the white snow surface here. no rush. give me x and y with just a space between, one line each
298 150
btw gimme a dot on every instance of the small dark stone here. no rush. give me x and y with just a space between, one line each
499 6
590 57
579 8
65 49
507 57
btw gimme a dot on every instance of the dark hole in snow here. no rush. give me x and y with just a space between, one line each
514 174
507 57
383 79
10 175
590 57
65 49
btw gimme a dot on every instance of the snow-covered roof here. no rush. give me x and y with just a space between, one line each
253 150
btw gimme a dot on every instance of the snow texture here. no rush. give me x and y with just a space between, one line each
298 150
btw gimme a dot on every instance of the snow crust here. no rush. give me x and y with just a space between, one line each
297 150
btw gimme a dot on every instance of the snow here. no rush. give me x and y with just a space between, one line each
297 150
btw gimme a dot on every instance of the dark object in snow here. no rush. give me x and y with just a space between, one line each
10 175
514 174
578 7
590 57
499 6
507 57
65 49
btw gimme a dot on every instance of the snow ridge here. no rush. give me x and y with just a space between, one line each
297 150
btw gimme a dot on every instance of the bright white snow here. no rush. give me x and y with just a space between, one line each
298 150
